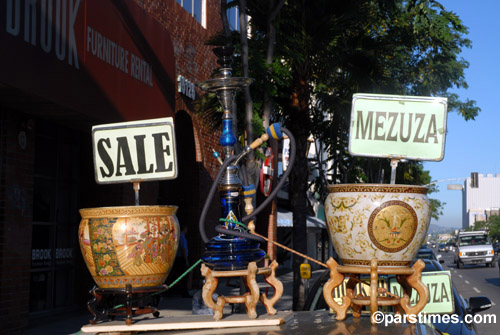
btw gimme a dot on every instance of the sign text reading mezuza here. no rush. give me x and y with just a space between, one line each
134 151
398 127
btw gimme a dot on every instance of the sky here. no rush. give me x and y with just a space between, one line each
472 146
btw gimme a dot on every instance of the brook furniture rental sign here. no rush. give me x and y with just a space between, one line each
399 127
134 151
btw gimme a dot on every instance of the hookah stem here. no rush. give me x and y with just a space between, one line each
282 181
292 251
167 286
211 193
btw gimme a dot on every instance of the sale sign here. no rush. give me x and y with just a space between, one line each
134 151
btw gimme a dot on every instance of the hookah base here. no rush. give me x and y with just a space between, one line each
229 254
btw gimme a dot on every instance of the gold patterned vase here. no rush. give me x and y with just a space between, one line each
133 245
386 222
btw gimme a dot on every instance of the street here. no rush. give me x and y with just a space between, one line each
476 280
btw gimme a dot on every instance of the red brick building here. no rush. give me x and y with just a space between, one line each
65 66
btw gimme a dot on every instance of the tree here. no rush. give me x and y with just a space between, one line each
494 227
325 51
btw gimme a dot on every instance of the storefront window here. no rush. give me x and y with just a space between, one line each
195 8
55 218
233 18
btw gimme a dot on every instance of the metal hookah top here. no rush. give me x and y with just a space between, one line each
226 82
226 87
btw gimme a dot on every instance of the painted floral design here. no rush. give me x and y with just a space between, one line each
342 203
103 250
338 223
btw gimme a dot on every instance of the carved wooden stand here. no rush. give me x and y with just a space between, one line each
104 301
251 298
408 278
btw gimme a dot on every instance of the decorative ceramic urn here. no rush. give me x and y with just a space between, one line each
133 245
386 222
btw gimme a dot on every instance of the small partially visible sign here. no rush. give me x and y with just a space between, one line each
440 292
398 127
134 151
305 271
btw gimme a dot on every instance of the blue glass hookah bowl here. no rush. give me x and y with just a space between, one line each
227 252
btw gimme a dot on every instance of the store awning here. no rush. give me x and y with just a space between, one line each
285 219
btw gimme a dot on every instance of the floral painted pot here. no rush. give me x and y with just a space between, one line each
386 222
133 245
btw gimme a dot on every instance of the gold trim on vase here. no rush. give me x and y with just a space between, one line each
380 263
381 188
124 211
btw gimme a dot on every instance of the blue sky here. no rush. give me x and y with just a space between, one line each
472 146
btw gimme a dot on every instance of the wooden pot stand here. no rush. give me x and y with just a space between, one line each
104 302
408 278
250 298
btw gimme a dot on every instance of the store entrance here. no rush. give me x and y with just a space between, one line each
55 218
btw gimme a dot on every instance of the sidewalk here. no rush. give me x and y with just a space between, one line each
71 323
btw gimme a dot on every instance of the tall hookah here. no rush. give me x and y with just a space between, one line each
235 246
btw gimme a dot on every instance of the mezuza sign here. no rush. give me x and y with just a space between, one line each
134 151
398 127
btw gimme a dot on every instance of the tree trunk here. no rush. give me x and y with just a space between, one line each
300 127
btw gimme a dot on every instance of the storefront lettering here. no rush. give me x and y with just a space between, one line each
186 87
124 157
117 56
141 70
64 253
107 50
40 254
46 254
62 41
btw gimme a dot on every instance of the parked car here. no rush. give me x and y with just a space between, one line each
426 253
460 306
474 247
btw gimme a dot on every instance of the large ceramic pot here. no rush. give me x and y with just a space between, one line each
386 222
133 245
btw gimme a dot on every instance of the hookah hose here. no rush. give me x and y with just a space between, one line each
261 207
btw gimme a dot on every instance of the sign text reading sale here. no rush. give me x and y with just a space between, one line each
134 151
398 127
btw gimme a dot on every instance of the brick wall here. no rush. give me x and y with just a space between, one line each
196 62
16 192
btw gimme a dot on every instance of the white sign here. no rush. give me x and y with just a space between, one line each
440 292
134 151
398 126
286 153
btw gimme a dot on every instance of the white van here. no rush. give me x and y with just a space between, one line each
474 247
